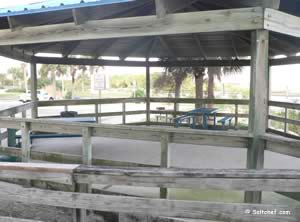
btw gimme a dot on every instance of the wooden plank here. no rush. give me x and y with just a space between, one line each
207 21
89 101
282 22
284 120
16 109
282 145
226 179
165 160
66 158
26 145
33 87
285 104
43 172
153 207
258 109
263 3
148 93
12 219
87 149
102 62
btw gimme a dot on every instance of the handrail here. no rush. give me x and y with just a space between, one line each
285 120
16 109
226 179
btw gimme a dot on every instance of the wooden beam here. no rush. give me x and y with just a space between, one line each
79 16
206 21
33 90
181 63
258 109
274 4
234 212
12 219
69 48
200 46
161 8
224 179
282 22
11 53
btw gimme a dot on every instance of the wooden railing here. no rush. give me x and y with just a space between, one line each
65 104
12 112
266 180
285 120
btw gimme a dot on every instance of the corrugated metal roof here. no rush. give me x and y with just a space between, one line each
54 5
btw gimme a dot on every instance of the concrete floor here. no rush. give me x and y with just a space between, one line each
182 155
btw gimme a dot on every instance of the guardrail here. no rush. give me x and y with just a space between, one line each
97 107
98 102
286 121
10 134
266 180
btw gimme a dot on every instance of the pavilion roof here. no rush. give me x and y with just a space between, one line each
202 45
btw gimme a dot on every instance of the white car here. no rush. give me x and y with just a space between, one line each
41 95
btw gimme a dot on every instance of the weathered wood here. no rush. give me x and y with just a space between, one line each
43 172
148 91
282 145
87 150
12 219
285 104
165 159
258 109
124 113
281 22
16 109
267 180
33 87
208 21
89 101
153 207
26 146
284 120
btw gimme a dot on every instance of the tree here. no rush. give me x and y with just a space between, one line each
17 75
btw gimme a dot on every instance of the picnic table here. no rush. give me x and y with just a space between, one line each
193 114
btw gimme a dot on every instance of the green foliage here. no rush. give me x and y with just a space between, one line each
292 114
126 81
139 93
68 95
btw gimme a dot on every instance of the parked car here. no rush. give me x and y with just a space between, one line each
41 95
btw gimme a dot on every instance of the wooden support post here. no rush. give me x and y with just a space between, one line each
80 215
25 130
164 160
97 112
33 86
66 108
148 94
236 116
285 120
123 113
87 146
258 110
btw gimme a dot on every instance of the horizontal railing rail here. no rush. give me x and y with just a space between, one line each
16 109
286 121
269 180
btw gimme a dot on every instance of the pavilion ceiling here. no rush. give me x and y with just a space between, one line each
204 45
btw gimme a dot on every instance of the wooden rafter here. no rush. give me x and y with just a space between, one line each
212 21
104 46
134 46
199 45
69 48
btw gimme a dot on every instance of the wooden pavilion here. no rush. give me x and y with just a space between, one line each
180 33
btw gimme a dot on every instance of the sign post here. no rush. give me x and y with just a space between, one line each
99 84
